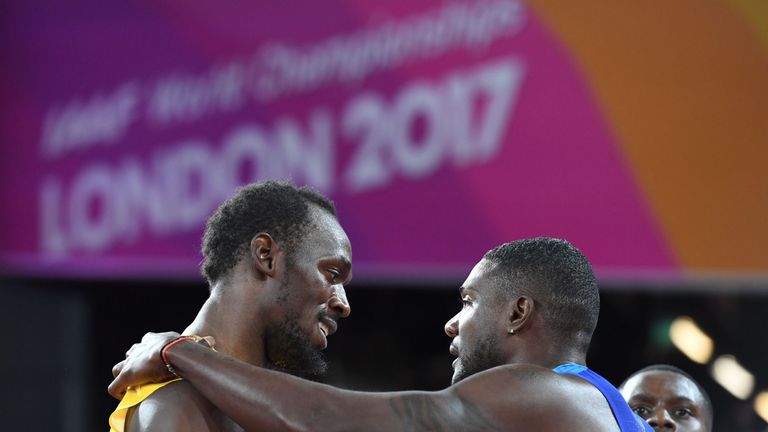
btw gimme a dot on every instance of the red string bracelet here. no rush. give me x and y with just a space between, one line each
164 351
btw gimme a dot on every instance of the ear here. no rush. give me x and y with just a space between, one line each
521 313
264 253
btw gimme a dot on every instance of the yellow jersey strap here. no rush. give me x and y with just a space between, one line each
133 397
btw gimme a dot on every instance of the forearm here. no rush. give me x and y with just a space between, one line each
261 399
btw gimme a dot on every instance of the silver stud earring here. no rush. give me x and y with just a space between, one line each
511 331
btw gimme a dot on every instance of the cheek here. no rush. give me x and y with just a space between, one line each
312 287
478 322
696 424
313 298
302 302
316 285
466 320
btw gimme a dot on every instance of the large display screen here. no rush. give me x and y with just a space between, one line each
440 129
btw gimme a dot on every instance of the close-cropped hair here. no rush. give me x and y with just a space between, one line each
675 370
277 208
558 277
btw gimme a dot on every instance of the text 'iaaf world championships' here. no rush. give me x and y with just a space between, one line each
274 70
463 118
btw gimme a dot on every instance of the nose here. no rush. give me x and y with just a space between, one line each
338 302
452 326
660 420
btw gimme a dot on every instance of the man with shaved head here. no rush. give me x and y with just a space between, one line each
529 308
668 399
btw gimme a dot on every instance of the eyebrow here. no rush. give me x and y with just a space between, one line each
647 398
339 258
639 398
683 399
346 262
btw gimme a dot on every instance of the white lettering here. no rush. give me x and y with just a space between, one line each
418 102
183 99
309 158
245 147
90 207
461 119
179 187
191 185
100 120
281 69
143 200
52 238
365 118
482 104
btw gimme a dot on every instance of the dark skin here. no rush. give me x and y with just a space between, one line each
520 393
668 401
243 308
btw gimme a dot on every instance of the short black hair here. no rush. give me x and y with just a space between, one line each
275 207
672 369
558 277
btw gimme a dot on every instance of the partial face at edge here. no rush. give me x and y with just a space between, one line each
480 325
311 298
667 401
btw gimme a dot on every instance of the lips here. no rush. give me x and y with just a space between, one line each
328 326
453 350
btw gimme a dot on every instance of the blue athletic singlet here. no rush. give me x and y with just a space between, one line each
628 421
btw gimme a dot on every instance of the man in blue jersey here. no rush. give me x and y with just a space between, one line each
521 337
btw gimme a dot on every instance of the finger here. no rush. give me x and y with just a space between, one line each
116 369
116 388
128 353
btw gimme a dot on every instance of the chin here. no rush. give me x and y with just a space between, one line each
458 375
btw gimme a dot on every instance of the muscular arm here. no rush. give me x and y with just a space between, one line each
261 399
510 398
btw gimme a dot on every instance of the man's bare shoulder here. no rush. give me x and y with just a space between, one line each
176 407
524 394
522 376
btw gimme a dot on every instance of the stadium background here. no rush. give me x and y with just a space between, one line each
440 129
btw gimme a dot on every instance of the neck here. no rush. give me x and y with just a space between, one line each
231 319
548 355
553 359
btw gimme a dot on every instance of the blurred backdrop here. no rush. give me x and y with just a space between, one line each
440 128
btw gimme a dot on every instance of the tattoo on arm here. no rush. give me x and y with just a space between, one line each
427 413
